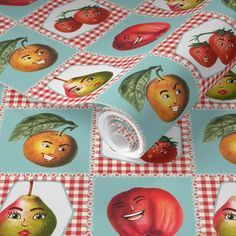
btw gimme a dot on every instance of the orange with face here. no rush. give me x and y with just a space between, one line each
33 57
50 148
168 96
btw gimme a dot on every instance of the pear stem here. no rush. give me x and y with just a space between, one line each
30 188
70 128
159 68
60 79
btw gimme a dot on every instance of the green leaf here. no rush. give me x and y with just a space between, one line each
36 123
132 88
6 48
219 127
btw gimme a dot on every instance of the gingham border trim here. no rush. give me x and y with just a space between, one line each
43 93
36 19
167 48
6 24
147 8
72 183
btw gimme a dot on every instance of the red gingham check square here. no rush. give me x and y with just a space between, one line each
78 191
207 190
43 93
102 165
206 103
167 48
5 24
36 19
147 8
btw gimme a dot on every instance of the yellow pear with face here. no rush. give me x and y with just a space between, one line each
27 216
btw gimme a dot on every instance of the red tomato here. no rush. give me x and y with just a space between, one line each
162 151
145 211
67 25
91 15
203 54
223 43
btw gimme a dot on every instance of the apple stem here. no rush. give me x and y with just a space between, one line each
30 188
24 40
60 79
70 128
158 69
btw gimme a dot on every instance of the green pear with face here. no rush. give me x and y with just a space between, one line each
86 84
27 216
225 89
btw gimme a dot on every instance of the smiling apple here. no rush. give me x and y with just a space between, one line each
145 211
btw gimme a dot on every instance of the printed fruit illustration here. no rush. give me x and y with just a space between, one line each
28 215
48 148
17 2
230 4
223 127
86 84
145 211
225 218
182 5
222 42
33 57
91 15
163 151
203 54
168 95
139 35
67 25
225 89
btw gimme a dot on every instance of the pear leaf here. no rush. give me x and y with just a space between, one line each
6 48
132 88
36 123
220 127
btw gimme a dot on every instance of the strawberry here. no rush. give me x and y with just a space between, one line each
163 151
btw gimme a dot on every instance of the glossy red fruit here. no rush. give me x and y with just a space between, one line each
162 151
67 25
139 35
91 15
203 54
16 2
146 212
223 43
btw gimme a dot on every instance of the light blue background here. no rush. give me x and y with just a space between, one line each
106 188
207 154
98 47
151 125
18 12
218 6
126 3
12 158
22 81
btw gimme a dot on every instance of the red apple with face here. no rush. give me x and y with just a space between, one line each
145 211
16 2
139 35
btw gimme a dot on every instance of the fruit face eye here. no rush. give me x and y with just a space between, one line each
230 81
14 215
230 216
26 58
40 53
46 145
90 79
178 91
61 149
221 43
39 216
165 96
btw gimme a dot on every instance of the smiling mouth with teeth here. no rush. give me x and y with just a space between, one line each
174 108
41 62
137 40
134 216
47 157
